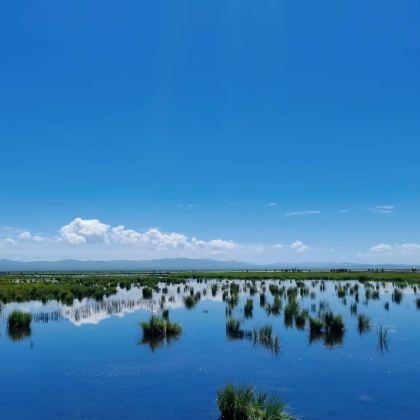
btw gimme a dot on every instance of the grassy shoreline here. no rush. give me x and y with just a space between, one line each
68 286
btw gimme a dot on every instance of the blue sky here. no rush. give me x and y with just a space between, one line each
192 117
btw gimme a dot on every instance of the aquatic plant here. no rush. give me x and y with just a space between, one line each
363 323
382 333
147 292
248 308
19 325
190 301
236 403
315 326
397 296
300 319
333 323
233 328
157 331
275 308
18 319
262 300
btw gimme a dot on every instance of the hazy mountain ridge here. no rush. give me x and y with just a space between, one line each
175 264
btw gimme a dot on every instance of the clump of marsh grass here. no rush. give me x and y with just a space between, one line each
233 329
329 329
300 319
237 403
248 308
275 308
397 296
264 336
191 300
147 292
382 333
19 325
158 330
262 300
363 323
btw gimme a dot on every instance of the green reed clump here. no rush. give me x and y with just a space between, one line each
262 300
160 327
158 331
233 328
290 311
190 301
19 325
147 292
397 296
214 289
334 324
275 308
382 333
248 308
300 319
243 403
363 323
315 326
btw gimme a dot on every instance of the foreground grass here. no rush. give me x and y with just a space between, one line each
245 404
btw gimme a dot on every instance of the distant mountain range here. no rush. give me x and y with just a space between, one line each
177 264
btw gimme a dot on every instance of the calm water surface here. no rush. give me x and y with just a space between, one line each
87 360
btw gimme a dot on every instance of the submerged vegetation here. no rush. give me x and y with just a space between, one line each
244 403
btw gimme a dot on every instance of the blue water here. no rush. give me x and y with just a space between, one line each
89 362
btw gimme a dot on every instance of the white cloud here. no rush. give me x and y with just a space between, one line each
9 241
381 248
278 246
383 209
299 246
272 204
403 249
80 231
303 213
27 236
214 244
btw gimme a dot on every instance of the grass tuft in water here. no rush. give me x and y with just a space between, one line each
19 325
363 323
248 308
243 403
157 331
382 333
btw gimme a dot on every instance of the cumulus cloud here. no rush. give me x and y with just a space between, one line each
80 231
404 248
272 204
383 209
303 213
299 246
27 236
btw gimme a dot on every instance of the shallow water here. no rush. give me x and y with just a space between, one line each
87 361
